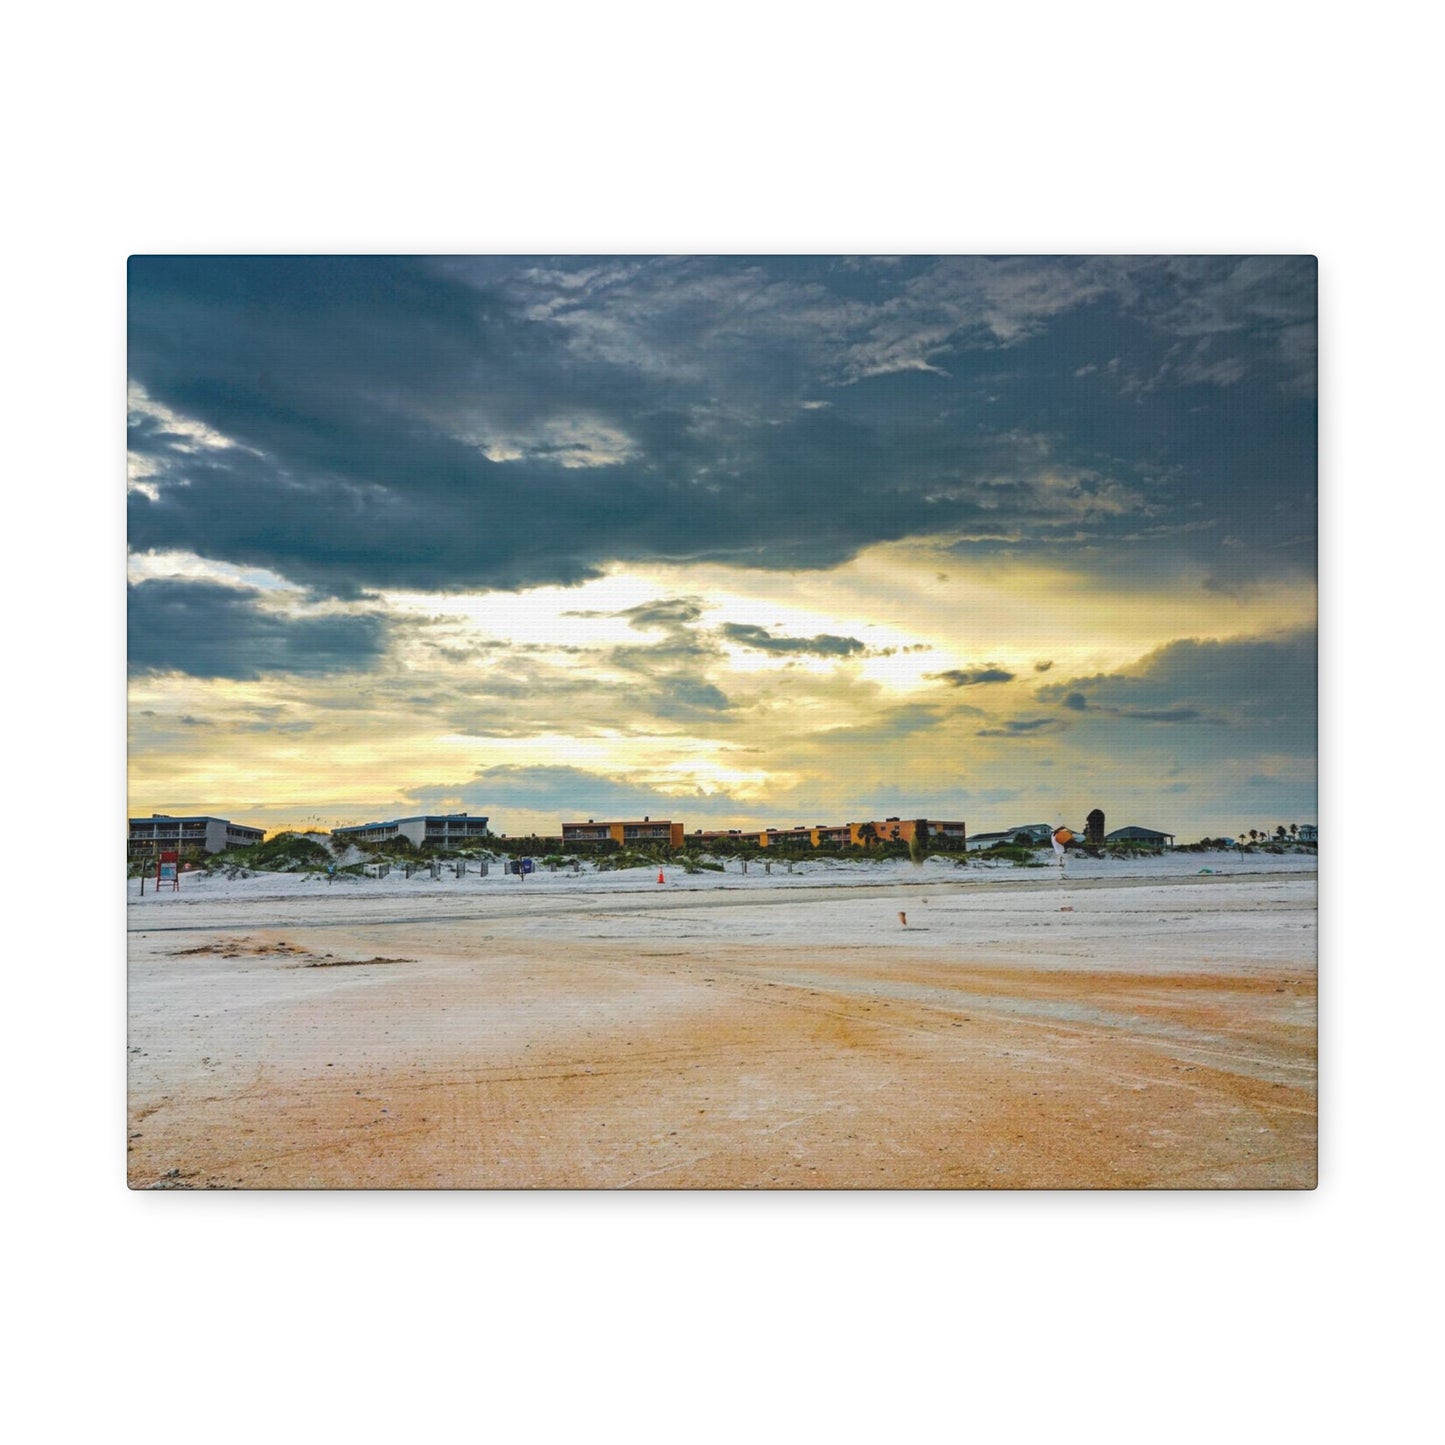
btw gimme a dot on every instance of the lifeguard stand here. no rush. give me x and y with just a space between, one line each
168 871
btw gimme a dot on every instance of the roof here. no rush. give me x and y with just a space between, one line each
622 822
193 818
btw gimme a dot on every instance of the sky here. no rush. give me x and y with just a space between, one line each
766 541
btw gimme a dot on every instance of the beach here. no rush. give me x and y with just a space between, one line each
1134 1024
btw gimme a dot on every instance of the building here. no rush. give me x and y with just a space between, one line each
622 834
1140 835
821 835
1309 833
843 835
788 838
1035 835
903 830
447 830
196 833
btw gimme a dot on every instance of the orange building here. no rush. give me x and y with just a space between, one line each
859 835
902 830
788 838
647 831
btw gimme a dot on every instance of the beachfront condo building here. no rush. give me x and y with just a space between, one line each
622 834
843 835
896 830
858 835
448 830
195 833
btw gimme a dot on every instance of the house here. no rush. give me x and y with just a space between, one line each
1309 833
623 833
1140 835
1035 835
195 833
448 830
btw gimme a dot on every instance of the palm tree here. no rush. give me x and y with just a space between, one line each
867 834
1294 832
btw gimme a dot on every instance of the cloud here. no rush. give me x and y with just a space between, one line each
1166 715
1261 681
209 630
666 612
576 792
973 677
1021 727
759 638
368 422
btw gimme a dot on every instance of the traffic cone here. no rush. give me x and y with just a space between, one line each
660 877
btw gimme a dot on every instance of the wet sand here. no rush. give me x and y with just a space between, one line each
1022 1034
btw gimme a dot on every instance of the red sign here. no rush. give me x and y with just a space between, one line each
166 870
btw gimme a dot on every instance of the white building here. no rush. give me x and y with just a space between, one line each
448 830
198 833
1036 835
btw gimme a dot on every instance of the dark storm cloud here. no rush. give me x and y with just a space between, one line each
825 644
208 630
973 677
1268 680
360 422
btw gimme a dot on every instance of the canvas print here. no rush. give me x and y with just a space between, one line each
721 722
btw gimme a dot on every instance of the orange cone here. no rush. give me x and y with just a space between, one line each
660 878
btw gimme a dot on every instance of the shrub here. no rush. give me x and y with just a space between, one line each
616 861
285 853
1007 853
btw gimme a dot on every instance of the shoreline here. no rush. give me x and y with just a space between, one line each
298 896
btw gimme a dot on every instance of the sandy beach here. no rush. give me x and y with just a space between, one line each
1136 1024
